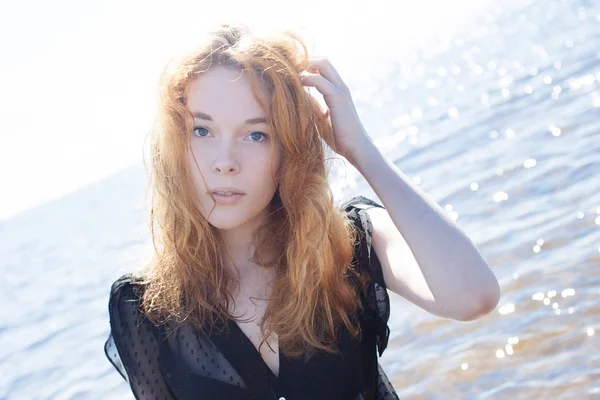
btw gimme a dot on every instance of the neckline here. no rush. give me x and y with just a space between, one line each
255 353
245 359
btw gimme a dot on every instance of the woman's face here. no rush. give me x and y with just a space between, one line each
231 145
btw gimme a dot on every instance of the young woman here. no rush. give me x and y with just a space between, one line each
251 249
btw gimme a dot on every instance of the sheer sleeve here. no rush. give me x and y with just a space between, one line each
377 299
132 345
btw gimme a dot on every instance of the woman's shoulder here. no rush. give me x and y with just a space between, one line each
359 203
132 344
128 287
355 210
376 296
125 304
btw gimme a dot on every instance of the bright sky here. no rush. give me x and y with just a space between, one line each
78 79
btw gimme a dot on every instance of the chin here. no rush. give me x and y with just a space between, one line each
226 218
225 223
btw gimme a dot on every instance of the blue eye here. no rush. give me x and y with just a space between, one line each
260 133
202 128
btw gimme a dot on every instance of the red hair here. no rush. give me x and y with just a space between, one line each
186 281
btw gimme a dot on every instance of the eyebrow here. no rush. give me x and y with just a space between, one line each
249 121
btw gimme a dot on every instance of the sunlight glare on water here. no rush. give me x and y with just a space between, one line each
498 124
92 93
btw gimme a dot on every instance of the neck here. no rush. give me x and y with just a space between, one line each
239 248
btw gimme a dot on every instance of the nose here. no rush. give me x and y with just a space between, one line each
225 161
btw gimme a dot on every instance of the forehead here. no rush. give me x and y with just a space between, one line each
225 91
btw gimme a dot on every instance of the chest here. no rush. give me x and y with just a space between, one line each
251 310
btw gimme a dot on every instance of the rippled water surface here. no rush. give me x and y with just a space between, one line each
500 126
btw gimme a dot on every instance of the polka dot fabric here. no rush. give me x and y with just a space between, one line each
156 365
189 364
377 298
132 346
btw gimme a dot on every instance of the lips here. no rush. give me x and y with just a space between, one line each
226 190
229 199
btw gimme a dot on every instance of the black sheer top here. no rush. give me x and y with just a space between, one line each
192 364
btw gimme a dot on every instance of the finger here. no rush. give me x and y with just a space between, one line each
324 86
325 68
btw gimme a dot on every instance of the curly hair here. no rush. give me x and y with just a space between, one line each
186 280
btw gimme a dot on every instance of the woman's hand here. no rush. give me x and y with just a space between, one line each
348 131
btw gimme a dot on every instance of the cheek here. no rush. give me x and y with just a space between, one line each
195 161
196 157
277 165
271 168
